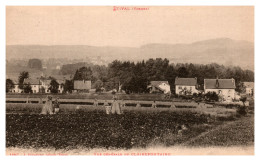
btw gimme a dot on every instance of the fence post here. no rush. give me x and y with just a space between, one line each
27 101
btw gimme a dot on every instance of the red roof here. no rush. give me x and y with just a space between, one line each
186 81
219 83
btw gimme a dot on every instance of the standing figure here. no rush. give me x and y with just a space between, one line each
47 107
115 107
95 103
56 105
108 108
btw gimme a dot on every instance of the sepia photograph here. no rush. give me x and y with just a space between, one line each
129 80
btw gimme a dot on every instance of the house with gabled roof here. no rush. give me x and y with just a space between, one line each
16 88
249 88
225 88
185 86
159 86
45 85
34 83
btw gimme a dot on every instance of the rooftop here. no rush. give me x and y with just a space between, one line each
186 81
219 83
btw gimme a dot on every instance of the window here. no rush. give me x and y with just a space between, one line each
180 87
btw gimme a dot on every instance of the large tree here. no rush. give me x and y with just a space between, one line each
68 86
54 86
183 72
23 75
84 73
27 88
9 85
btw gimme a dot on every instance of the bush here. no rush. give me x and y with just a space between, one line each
195 95
241 110
211 96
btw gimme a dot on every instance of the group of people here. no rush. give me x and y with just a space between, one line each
50 106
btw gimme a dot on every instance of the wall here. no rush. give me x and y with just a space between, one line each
225 92
16 89
192 88
35 88
249 91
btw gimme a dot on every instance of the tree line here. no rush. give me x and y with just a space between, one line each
133 77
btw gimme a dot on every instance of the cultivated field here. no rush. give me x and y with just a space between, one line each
88 128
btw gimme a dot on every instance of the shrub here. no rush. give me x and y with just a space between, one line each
241 110
211 96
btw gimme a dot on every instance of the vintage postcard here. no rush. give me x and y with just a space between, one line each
129 80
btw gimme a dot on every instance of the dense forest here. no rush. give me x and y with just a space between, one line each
134 77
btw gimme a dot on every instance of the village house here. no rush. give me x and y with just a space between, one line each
61 85
16 88
46 83
185 86
82 85
34 83
225 88
159 86
249 88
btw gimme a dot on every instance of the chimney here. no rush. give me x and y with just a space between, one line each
233 81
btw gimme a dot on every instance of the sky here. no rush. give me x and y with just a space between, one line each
101 26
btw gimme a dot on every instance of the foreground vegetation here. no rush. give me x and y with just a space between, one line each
91 127
95 129
237 133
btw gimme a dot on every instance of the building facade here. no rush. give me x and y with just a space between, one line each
249 88
185 86
225 88
34 83
159 87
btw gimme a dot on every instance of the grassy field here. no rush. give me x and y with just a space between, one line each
236 133
102 96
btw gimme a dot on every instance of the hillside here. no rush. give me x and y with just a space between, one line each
222 51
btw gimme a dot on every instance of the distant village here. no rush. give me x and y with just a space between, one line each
224 88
